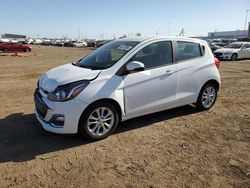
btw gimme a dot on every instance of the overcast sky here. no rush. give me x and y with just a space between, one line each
92 18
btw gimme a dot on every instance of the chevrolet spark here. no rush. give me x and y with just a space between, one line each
123 79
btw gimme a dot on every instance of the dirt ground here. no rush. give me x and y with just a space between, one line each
181 147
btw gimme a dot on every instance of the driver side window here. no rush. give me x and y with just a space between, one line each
155 55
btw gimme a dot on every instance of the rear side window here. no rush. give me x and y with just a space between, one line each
188 50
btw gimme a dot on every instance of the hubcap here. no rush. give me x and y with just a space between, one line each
100 121
208 97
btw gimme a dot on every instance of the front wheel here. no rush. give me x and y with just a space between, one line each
26 50
99 121
234 57
207 97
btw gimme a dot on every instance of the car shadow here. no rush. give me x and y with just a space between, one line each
23 139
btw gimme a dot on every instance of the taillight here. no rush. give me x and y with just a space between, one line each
217 62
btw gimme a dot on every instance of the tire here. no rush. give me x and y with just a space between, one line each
5 50
234 57
26 50
95 131
207 97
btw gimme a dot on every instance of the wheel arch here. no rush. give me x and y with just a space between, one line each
237 55
212 81
112 101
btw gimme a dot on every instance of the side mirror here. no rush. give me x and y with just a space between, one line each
135 66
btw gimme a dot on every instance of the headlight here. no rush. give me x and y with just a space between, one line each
228 53
68 91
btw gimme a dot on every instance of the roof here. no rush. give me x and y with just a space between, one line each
136 39
241 42
141 39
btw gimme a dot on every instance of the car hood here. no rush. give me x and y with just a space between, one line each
65 74
223 50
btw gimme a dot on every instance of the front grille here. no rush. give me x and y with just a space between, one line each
218 55
41 107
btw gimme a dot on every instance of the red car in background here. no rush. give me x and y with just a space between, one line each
7 47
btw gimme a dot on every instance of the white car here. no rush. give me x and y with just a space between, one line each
234 51
80 44
38 41
123 79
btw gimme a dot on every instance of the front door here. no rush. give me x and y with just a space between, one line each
245 51
190 69
155 87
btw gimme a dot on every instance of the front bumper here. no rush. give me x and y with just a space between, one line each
46 110
222 56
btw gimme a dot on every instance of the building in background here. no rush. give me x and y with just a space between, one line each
240 34
13 36
248 37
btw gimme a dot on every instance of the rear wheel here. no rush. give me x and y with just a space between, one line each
207 97
234 57
99 121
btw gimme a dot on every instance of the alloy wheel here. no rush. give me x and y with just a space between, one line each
208 97
100 121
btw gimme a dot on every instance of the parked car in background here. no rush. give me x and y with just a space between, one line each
234 51
91 43
124 79
69 43
4 40
100 43
80 44
220 44
8 47
224 42
46 42
213 46
37 41
29 41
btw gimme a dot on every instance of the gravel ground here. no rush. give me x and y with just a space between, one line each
181 147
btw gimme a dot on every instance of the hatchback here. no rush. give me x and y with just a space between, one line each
123 79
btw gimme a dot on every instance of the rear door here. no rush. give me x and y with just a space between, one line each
190 70
155 87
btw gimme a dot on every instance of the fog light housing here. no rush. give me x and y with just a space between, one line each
57 120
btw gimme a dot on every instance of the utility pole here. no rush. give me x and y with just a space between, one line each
246 19
78 33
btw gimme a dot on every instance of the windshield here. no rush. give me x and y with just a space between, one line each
107 55
235 45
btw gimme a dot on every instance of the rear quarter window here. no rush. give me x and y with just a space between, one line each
188 50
